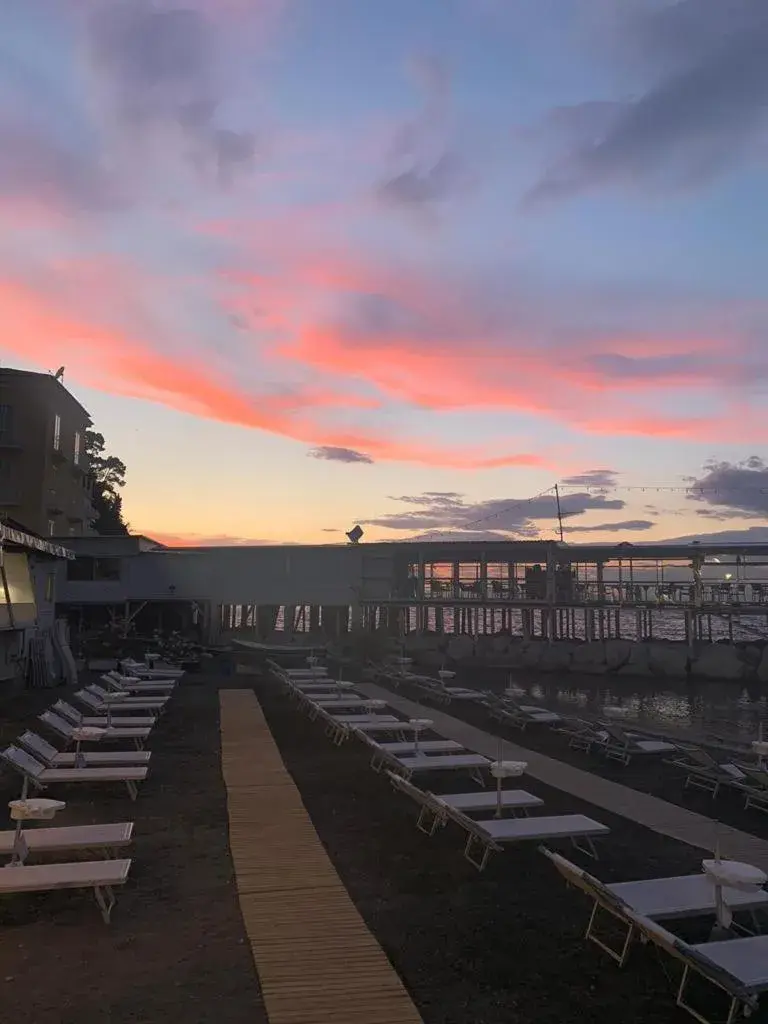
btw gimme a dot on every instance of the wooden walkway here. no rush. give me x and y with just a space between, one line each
317 961
665 818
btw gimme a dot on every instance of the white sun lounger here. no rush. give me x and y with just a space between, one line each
99 706
143 671
35 772
53 758
487 800
492 834
473 763
436 810
330 702
146 700
738 967
64 729
390 724
131 684
71 838
101 722
100 875
358 720
408 747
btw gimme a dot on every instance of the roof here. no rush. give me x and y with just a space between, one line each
51 382
15 537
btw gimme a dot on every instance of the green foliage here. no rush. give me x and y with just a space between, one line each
108 475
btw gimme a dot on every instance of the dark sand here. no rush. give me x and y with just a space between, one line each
176 948
505 945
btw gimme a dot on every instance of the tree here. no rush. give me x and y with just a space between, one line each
108 475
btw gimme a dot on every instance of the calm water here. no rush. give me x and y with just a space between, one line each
731 711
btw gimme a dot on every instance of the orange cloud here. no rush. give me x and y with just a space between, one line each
201 540
37 328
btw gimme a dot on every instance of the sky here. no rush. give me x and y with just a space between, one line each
404 264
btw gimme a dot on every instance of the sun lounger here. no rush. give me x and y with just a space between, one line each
64 729
472 763
408 747
70 839
582 735
623 746
519 716
660 899
39 776
101 722
703 771
141 700
738 967
131 684
101 876
390 724
53 758
753 783
98 706
143 671
432 814
358 703
488 800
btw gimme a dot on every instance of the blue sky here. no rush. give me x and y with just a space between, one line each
304 260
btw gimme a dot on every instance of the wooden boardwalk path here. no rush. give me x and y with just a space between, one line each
317 961
665 818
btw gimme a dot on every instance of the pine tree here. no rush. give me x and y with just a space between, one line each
108 475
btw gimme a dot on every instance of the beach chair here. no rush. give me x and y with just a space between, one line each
623 746
393 726
738 967
753 783
103 876
488 800
67 839
64 730
703 771
53 758
65 710
35 773
409 747
128 699
432 814
659 899
519 716
409 766
582 734
131 684
99 705
143 671
492 834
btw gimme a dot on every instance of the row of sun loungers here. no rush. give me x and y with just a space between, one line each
738 966
41 765
346 714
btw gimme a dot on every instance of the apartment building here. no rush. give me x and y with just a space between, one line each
44 482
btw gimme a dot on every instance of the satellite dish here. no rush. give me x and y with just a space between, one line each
59 373
355 534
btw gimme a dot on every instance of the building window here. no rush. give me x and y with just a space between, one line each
77 448
50 587
52 527
6 422
87 569
57 432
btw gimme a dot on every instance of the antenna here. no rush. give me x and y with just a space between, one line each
59 375
355 534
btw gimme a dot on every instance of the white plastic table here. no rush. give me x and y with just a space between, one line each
505 770
85 734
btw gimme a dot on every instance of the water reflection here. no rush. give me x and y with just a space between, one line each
727 710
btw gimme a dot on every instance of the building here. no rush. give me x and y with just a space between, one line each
44 480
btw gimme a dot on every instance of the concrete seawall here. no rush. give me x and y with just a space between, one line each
659 659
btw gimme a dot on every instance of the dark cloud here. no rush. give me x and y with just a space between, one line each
732 489
447 511
159 71
333 454
592 478
424 168
750 535
623 526
707 109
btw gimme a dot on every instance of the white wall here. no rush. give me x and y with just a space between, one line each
259 575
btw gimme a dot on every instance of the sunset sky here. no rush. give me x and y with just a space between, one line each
398 262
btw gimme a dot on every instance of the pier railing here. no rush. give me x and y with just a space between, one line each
614 593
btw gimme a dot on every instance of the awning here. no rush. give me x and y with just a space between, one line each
8 535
